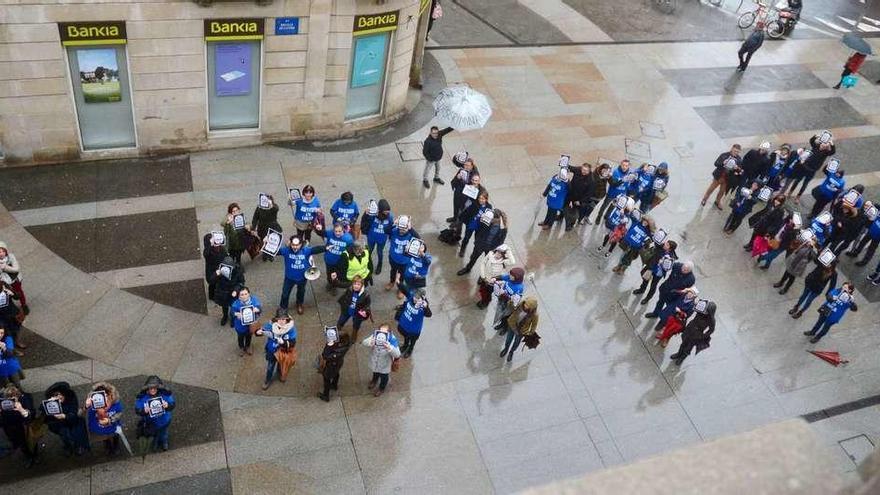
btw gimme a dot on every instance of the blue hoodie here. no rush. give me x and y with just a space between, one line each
334 247
305 212
555 193
741 205
837 309
344 213
9 364
114 412
397 253
240 327
617 178
822 232
161 420
379 229
510 287
615 218
412 318
636 235
831 186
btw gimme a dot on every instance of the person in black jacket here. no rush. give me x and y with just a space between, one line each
487 238
680 278
466 176
213 254
750 46
227 283
16 420
822 147
598 186
578 196
265 219
470 218
814 284
354 303
68 425
767 221
755 164
333 357
725 165
697 333
432 150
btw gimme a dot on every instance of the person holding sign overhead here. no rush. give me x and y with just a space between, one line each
62 416
265 218
154 404
104 416
16 414
236 231
245 312
305 214
297 261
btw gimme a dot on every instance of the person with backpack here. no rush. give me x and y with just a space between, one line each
837 303
410 318
432 150
522 322
750 46
154 404
333 358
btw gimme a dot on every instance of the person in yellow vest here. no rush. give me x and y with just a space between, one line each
355 262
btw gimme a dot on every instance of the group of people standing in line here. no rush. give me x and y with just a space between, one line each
839 221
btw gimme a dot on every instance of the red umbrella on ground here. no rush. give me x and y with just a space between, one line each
831 357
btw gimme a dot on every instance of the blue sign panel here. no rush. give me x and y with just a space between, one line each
286 25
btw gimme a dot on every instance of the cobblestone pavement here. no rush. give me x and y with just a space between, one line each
596 393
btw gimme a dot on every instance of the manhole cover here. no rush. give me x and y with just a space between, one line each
650 129
410 152
857 448
635 147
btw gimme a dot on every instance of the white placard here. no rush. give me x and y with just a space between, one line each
824 218
373 207
4 299
248 315
630 177
764 193
826 257
225 271
851 197
563 174
636 215
463 175
825 137
805 235
52 407
294 194
413 247
796 220
730 163
871 213
331 334
461 156
620 202
380 338
564 161
487 217
701 306
218 238
99 400
844 297
659 184
264 201
238 221
660 236
155 407
650 169
745 192
471 191
273 243
7 405
832 166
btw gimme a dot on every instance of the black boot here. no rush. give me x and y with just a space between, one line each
224 320
638 291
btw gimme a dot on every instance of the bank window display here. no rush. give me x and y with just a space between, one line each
369 60
234 66
99 75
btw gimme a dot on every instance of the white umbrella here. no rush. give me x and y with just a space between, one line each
462 108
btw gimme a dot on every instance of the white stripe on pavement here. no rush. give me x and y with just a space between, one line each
102 209
164 273
572 24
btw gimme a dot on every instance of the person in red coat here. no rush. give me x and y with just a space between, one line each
852 66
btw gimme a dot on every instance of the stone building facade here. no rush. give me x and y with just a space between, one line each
85 79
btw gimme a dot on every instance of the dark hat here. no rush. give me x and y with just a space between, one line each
347 196
517 274
153 382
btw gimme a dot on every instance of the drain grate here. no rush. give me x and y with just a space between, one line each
857 448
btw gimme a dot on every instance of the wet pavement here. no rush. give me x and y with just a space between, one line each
597 392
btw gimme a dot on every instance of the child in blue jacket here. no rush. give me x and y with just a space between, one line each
154 405
555 193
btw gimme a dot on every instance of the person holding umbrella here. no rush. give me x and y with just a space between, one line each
861 50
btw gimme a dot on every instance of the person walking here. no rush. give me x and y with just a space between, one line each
657 267
307 215
383 352
16 422
297 261
280 348
617 185
750 46
698 332
852 66
10 267
104 420
227 279
814 285
681 277
265 219
377 222
488 237
837 303
68 424
10 367
522 322
410 318
432 150
796 264
725 165
555 193
333 358
154 404
494 265
354 304
245 302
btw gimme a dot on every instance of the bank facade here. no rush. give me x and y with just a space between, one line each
93 80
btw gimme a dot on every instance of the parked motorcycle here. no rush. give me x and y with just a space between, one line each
784 23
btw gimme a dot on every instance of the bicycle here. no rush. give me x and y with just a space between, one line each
747 19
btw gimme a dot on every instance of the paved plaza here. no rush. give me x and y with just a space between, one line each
113 271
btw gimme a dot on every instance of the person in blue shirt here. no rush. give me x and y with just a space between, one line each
838 301
103 421
617 223
280 336
243 330
870 236
651 196
781 161
644 178
656 269
509 289
345 211
616 187
555 193
155 421
829 189
305 213
681 277
470 217
334 245
822 228
740 206
377 223
297 260
354 304
10 367
400 236
416 274
637 235
410 319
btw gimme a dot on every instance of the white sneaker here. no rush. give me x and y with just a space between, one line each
607 255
